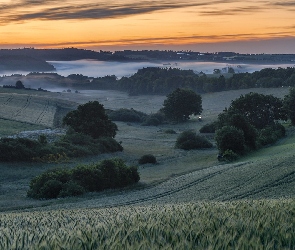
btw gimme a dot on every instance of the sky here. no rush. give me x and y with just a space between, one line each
199 25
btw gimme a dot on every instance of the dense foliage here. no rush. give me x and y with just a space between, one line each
289 102
250 122
107 174
72 144
260 110
188 140
182 103
154 80
230 137
91 119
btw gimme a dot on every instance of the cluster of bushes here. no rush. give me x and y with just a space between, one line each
108 174
132 115
188 140
72 144
251 121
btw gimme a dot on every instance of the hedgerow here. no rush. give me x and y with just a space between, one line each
113 173
72 144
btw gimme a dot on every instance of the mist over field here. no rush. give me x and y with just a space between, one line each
94 68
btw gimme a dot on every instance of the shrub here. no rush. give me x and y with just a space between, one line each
229 137
127 115
154 119
188 140
71 188
50 189
229 155
107 174
109 145
89 177
19 149
208 128
37 185
147 159
271 134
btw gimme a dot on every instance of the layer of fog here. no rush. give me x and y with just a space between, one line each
94 68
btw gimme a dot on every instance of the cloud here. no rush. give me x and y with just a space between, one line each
233 11
284 3
25 10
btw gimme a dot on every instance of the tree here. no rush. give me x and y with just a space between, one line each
289 104
230 138
91 119
19 85
260 110
182 103
229 118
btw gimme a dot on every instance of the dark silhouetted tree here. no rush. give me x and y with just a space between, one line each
91 119
182 103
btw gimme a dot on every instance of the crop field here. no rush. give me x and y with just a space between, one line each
200 225
187 200
28 107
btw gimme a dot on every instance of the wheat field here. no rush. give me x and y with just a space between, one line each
201 225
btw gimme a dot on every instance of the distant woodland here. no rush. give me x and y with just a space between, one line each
23 63
69 54
161 81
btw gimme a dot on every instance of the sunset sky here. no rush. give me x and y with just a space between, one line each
199 25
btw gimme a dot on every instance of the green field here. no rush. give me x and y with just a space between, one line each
187 201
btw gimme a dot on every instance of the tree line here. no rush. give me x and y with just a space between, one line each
153 80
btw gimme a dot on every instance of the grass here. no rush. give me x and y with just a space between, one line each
201 225
9 127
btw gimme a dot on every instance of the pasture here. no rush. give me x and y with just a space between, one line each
188 199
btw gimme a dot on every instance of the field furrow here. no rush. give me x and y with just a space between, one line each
27 108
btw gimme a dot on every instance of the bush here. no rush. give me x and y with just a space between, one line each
229 137
109 145
229 155
208 128
154 119
147 159
271 134
50 189
188 140
19 149
86 178
127 115
71 188
39 188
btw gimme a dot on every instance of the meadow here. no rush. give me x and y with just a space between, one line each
187 200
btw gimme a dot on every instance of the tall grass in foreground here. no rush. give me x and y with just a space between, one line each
265 224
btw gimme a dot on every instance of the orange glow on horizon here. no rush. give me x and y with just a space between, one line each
199 24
